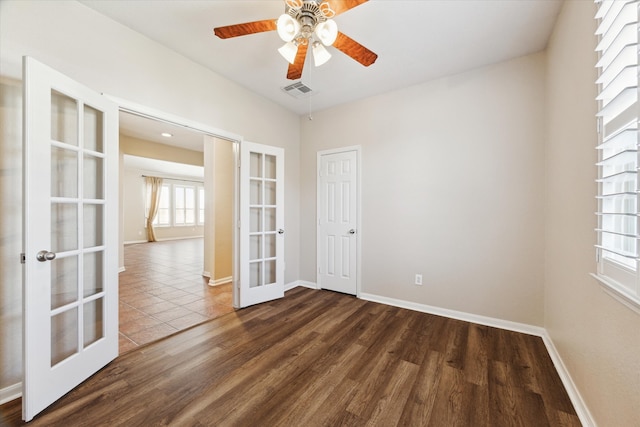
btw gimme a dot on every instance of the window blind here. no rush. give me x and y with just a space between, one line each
617 244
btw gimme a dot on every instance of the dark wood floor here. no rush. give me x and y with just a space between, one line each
322 358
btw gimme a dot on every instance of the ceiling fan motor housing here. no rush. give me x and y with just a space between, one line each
309 14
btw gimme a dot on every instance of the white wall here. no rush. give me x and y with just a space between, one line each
597 337
452 188
112 59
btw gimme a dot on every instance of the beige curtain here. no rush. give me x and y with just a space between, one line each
153 186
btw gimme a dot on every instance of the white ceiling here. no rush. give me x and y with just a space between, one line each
151 130
416 41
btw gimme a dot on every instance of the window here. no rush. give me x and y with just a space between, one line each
618 214
180 205
185 205
162 217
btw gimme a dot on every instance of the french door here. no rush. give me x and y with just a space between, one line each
261 223
338 221
70 304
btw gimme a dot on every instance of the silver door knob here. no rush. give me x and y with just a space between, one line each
44 256
281 231
352 231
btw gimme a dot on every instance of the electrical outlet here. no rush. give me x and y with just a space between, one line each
418 279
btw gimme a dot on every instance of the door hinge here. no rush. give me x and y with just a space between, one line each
23 258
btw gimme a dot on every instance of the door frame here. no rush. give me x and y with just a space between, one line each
155 114
359 230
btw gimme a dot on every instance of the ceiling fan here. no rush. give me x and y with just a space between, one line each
306 23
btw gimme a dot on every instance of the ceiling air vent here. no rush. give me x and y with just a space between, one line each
298 90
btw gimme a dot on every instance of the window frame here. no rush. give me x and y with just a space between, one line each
618 267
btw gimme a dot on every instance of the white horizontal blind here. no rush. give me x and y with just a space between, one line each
618 143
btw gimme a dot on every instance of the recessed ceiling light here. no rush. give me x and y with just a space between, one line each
166 134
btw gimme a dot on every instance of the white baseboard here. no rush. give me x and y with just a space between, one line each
296 283
10 393
134 242
576 398
166 239
221 281
460 315
121 270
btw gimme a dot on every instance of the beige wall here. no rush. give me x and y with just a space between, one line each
223 205
133 197
597 337
452 188
134 212
112 59
10 232
153 150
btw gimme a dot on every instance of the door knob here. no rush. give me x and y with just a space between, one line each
44 256
352 231
281 231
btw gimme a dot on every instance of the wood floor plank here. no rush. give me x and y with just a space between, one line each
417 410
318 358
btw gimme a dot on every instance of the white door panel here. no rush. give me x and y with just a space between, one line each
337 222
70 303
261 223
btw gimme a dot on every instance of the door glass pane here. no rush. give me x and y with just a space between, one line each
64 281
269 166
93 129
64 172
255 193
255 251
270 219
64 118
269 245
64 227
93 264
270 272
270 193
93 225
64 335
255 168
255 274
255 220
93 182
93 321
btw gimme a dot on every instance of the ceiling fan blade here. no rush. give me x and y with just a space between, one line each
295 69
246 28
355 50
339 6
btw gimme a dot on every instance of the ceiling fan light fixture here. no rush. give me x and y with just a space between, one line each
287 27
327 32
289 51
320 54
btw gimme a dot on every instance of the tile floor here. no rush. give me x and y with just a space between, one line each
162 291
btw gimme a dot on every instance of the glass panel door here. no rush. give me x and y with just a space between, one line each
262 223
70 208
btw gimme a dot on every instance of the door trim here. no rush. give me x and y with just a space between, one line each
358 151
237 140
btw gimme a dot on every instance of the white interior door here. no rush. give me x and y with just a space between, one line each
261 223
70 305
338 221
